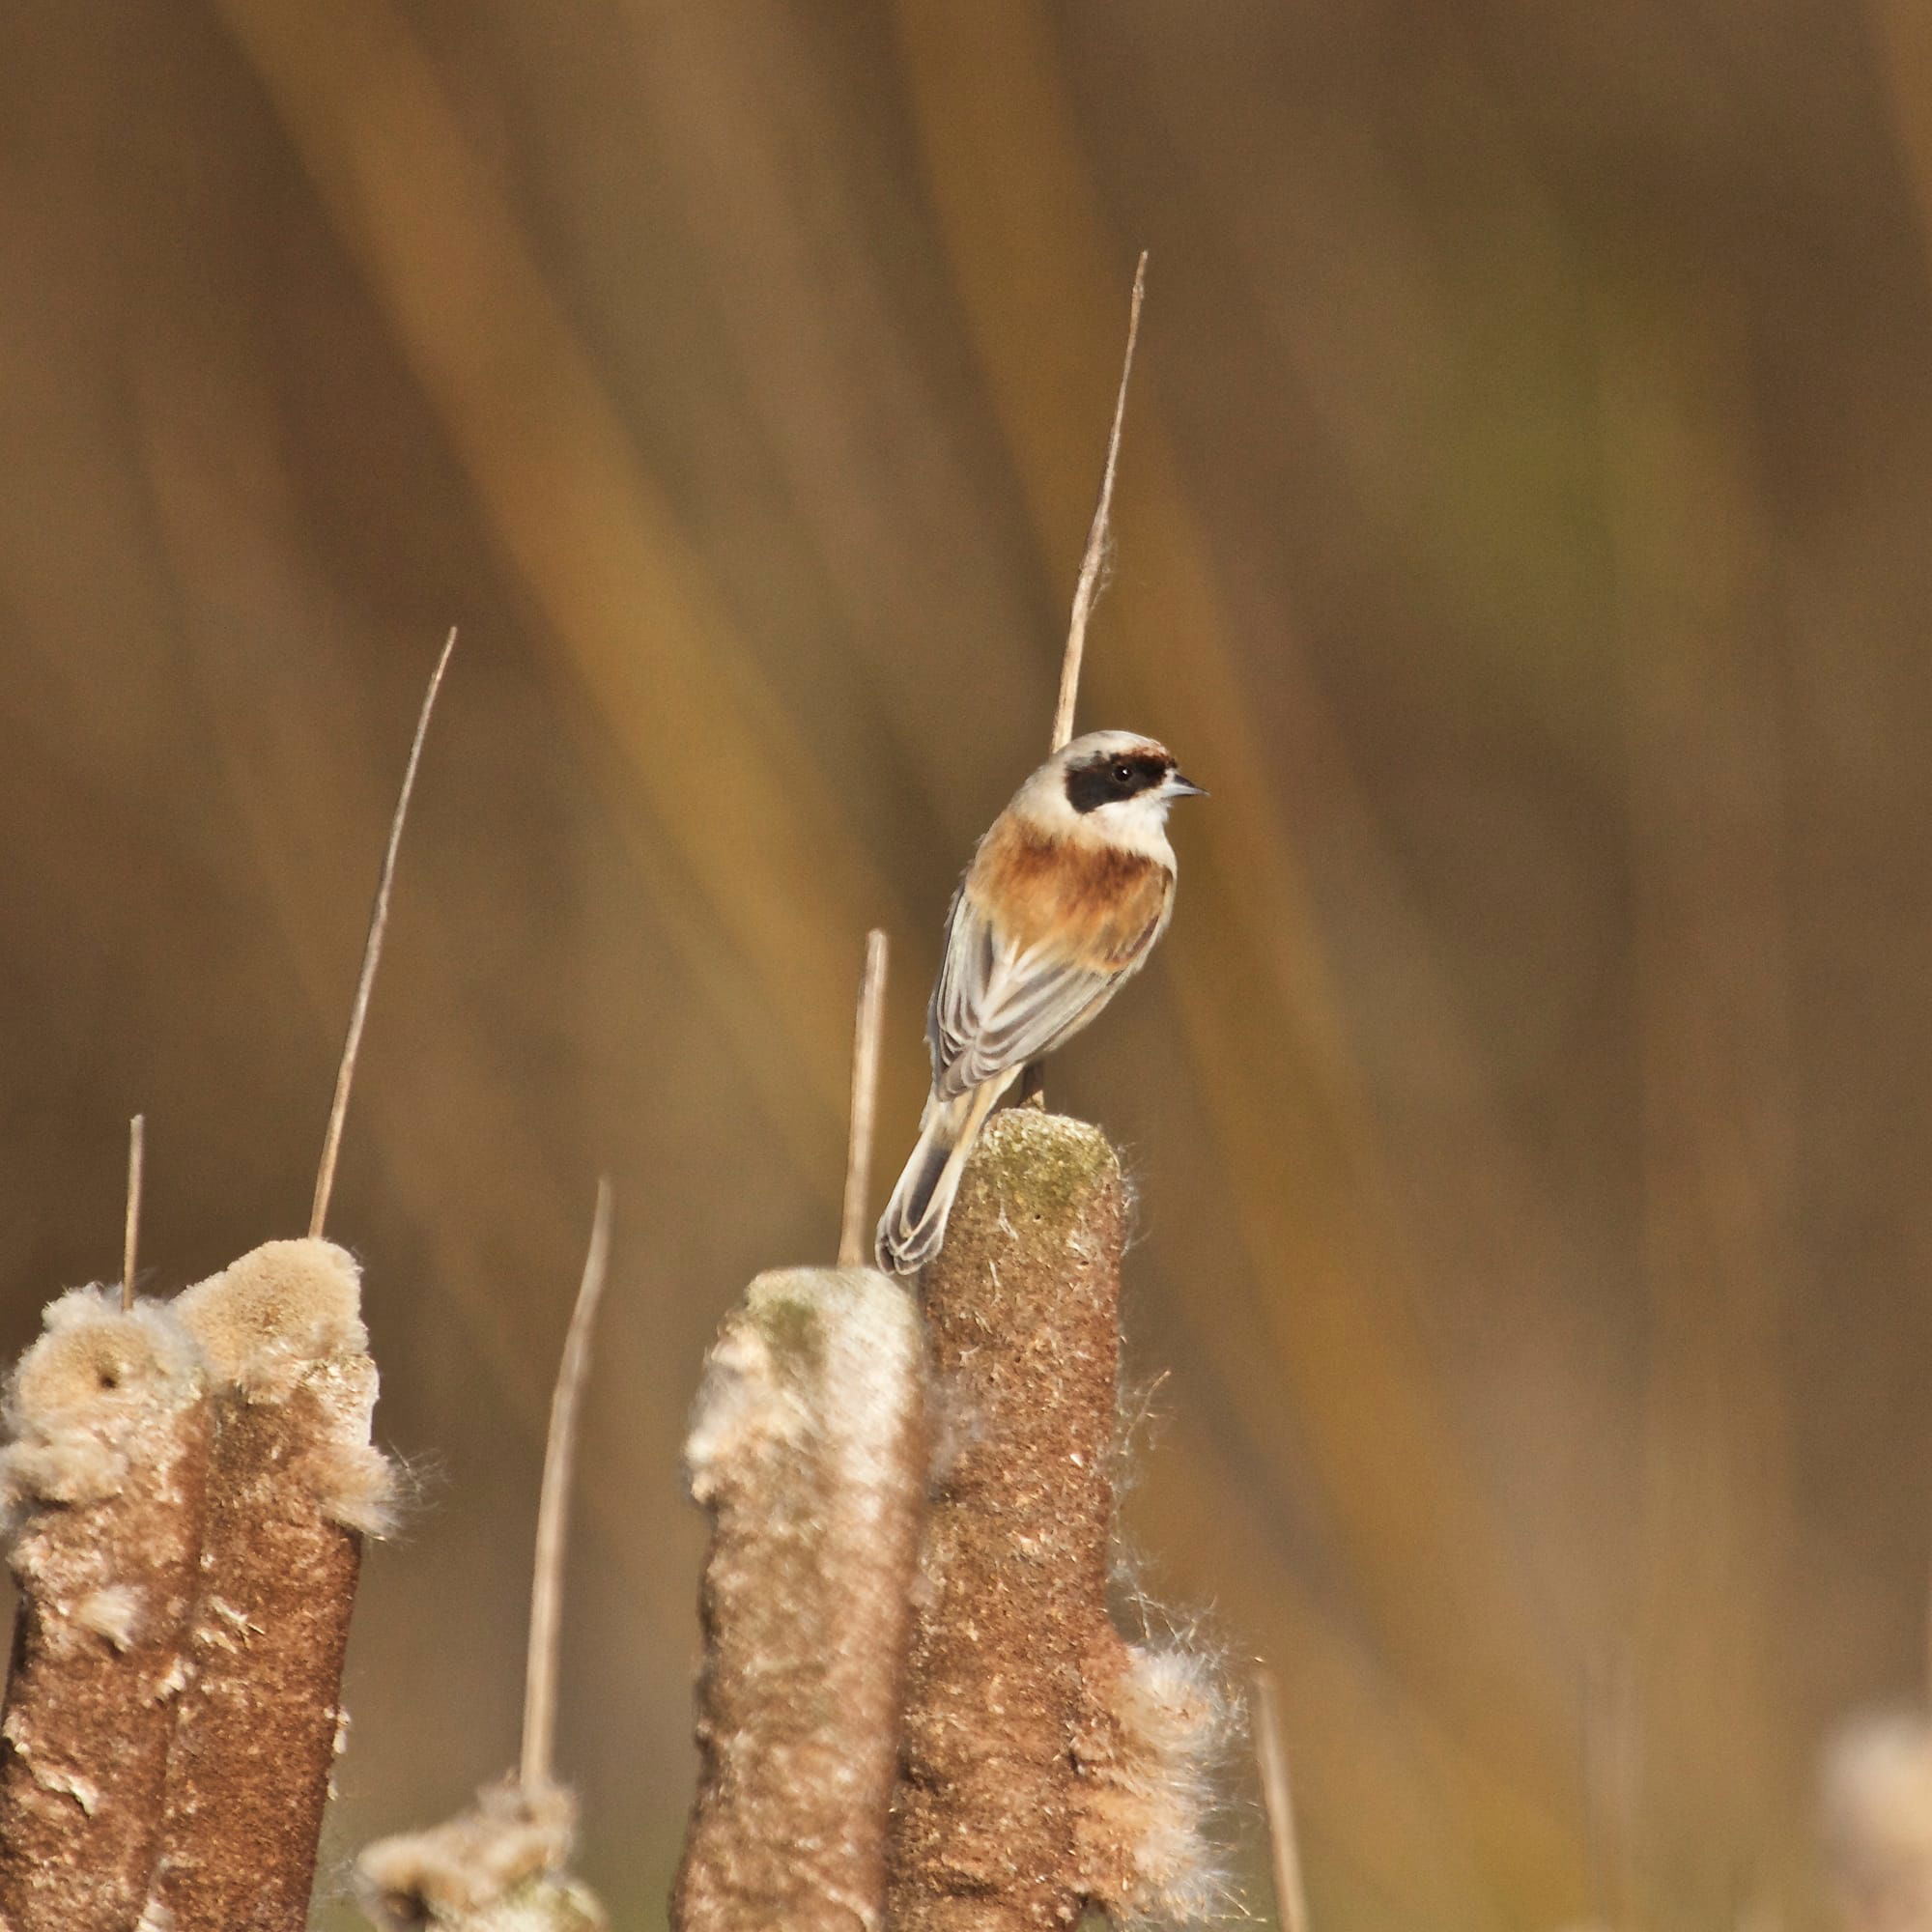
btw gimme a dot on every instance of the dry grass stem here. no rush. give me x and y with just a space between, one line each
130 1231
1093 562
1049 1766
1291 1899
540 1678
104 1481
865 1036
808 1451
293 1484
372 952
503 1866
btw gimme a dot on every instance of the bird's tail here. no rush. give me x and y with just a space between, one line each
914 1223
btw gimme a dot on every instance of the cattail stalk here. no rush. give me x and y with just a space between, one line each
104 1481
1049 1766
808 1450
294 1486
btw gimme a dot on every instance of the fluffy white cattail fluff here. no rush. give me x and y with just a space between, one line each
498 1867
1156 1793
70 1407
286 1320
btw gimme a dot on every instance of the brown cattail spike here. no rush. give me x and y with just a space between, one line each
808 1451
102 1482
1049 1766
292 1486
1093 562
372 952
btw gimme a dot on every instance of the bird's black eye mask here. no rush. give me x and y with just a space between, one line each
1106 780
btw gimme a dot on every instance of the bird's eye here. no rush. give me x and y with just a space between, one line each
1124 773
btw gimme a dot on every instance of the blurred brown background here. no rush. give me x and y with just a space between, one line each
1522 532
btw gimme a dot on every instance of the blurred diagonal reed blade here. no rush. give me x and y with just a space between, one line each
764 856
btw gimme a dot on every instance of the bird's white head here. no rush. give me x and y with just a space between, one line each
1110 788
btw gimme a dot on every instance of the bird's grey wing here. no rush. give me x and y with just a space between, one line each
994 1006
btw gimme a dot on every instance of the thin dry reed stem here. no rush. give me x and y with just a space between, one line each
372 952
1087 590
866 1036
1291 1898
1093 564
503 1866
553 1509
130 1232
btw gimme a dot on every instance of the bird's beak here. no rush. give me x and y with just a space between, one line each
1176 786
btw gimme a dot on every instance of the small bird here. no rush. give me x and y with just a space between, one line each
1065 899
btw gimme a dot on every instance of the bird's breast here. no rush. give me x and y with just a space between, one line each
1088 902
